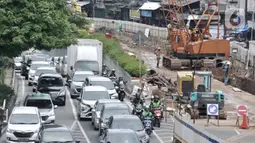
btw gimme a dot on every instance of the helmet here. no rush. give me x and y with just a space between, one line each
104 65
156 97
113 70
159 48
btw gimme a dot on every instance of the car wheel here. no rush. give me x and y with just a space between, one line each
29 84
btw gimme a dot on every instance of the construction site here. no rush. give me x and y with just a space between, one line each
192 69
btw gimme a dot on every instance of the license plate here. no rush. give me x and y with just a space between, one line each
208 96
23 140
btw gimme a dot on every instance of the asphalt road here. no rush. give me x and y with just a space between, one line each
82 130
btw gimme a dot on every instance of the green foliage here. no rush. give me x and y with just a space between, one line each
42 24
5 92
79 19
113 49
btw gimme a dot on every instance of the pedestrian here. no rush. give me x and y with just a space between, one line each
157 52
226 70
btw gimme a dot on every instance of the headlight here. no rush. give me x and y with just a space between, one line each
28 68
9 130
51 113
84 108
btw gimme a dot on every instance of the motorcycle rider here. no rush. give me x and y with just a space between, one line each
156 103
137 98
147 113
112 74
104 69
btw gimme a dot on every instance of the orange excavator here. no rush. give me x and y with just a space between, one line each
193 48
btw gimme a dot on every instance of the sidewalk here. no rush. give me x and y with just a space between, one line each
232 98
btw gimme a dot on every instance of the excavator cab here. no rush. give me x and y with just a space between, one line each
207 81
185 85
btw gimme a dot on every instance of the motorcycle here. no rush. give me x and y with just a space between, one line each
138 110
147 125
121 91
105 73
157 116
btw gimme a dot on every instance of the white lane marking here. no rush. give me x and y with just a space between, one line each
237 132
22 91
73 125
155 134
76 119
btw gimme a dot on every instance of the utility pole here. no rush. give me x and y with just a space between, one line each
94 4
140 64
252 25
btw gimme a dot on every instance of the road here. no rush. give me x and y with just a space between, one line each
82 130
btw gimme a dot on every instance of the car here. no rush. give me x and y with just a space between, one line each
88 98
119 136
129 122
52 84
45 105
102 81
97 110
24 125
76 82
53 133
109 110
43 70
34 66
17 64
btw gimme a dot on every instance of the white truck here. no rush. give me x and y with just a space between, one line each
86 55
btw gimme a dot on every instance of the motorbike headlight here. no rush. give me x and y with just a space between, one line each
9 130
103 125
28 68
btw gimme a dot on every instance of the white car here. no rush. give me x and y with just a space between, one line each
34 66
43 70
102 81
88 98
17 63
24 125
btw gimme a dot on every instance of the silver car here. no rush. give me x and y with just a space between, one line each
34 66
97 110
17 63
76 82
89 96
43 70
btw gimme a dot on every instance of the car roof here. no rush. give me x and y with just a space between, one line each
84 72
117 131
121 117
25 110
40 62
39 96
51 75
116 106
98 78
94 88
108 101
55 127
46 68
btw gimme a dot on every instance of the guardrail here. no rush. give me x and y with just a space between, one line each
132 27
187 132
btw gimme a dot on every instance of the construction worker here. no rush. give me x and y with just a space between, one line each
158 51
226 69
156 103
147 113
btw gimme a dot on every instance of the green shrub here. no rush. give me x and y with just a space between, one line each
113 49
5 92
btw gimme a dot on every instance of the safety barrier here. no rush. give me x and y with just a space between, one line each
133 27
187 132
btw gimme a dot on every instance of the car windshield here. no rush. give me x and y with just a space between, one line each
86 66
95 95
18 59
38 58
24 119
51 81
57 136
80 77
123 138
133 124
107 84
110 112
36 66
49 71
41 104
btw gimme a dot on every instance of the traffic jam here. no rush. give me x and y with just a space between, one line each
95 90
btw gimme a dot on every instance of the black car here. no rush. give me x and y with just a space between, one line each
56 133
119 136
52 84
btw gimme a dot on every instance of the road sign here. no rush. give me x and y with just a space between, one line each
241 110
213 109
140 34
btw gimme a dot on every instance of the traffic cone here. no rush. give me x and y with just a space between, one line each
245 122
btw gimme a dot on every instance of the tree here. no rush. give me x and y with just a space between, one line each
79 19
42 24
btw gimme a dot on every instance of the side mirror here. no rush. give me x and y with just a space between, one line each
78 98
71 68
55 106
34 90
